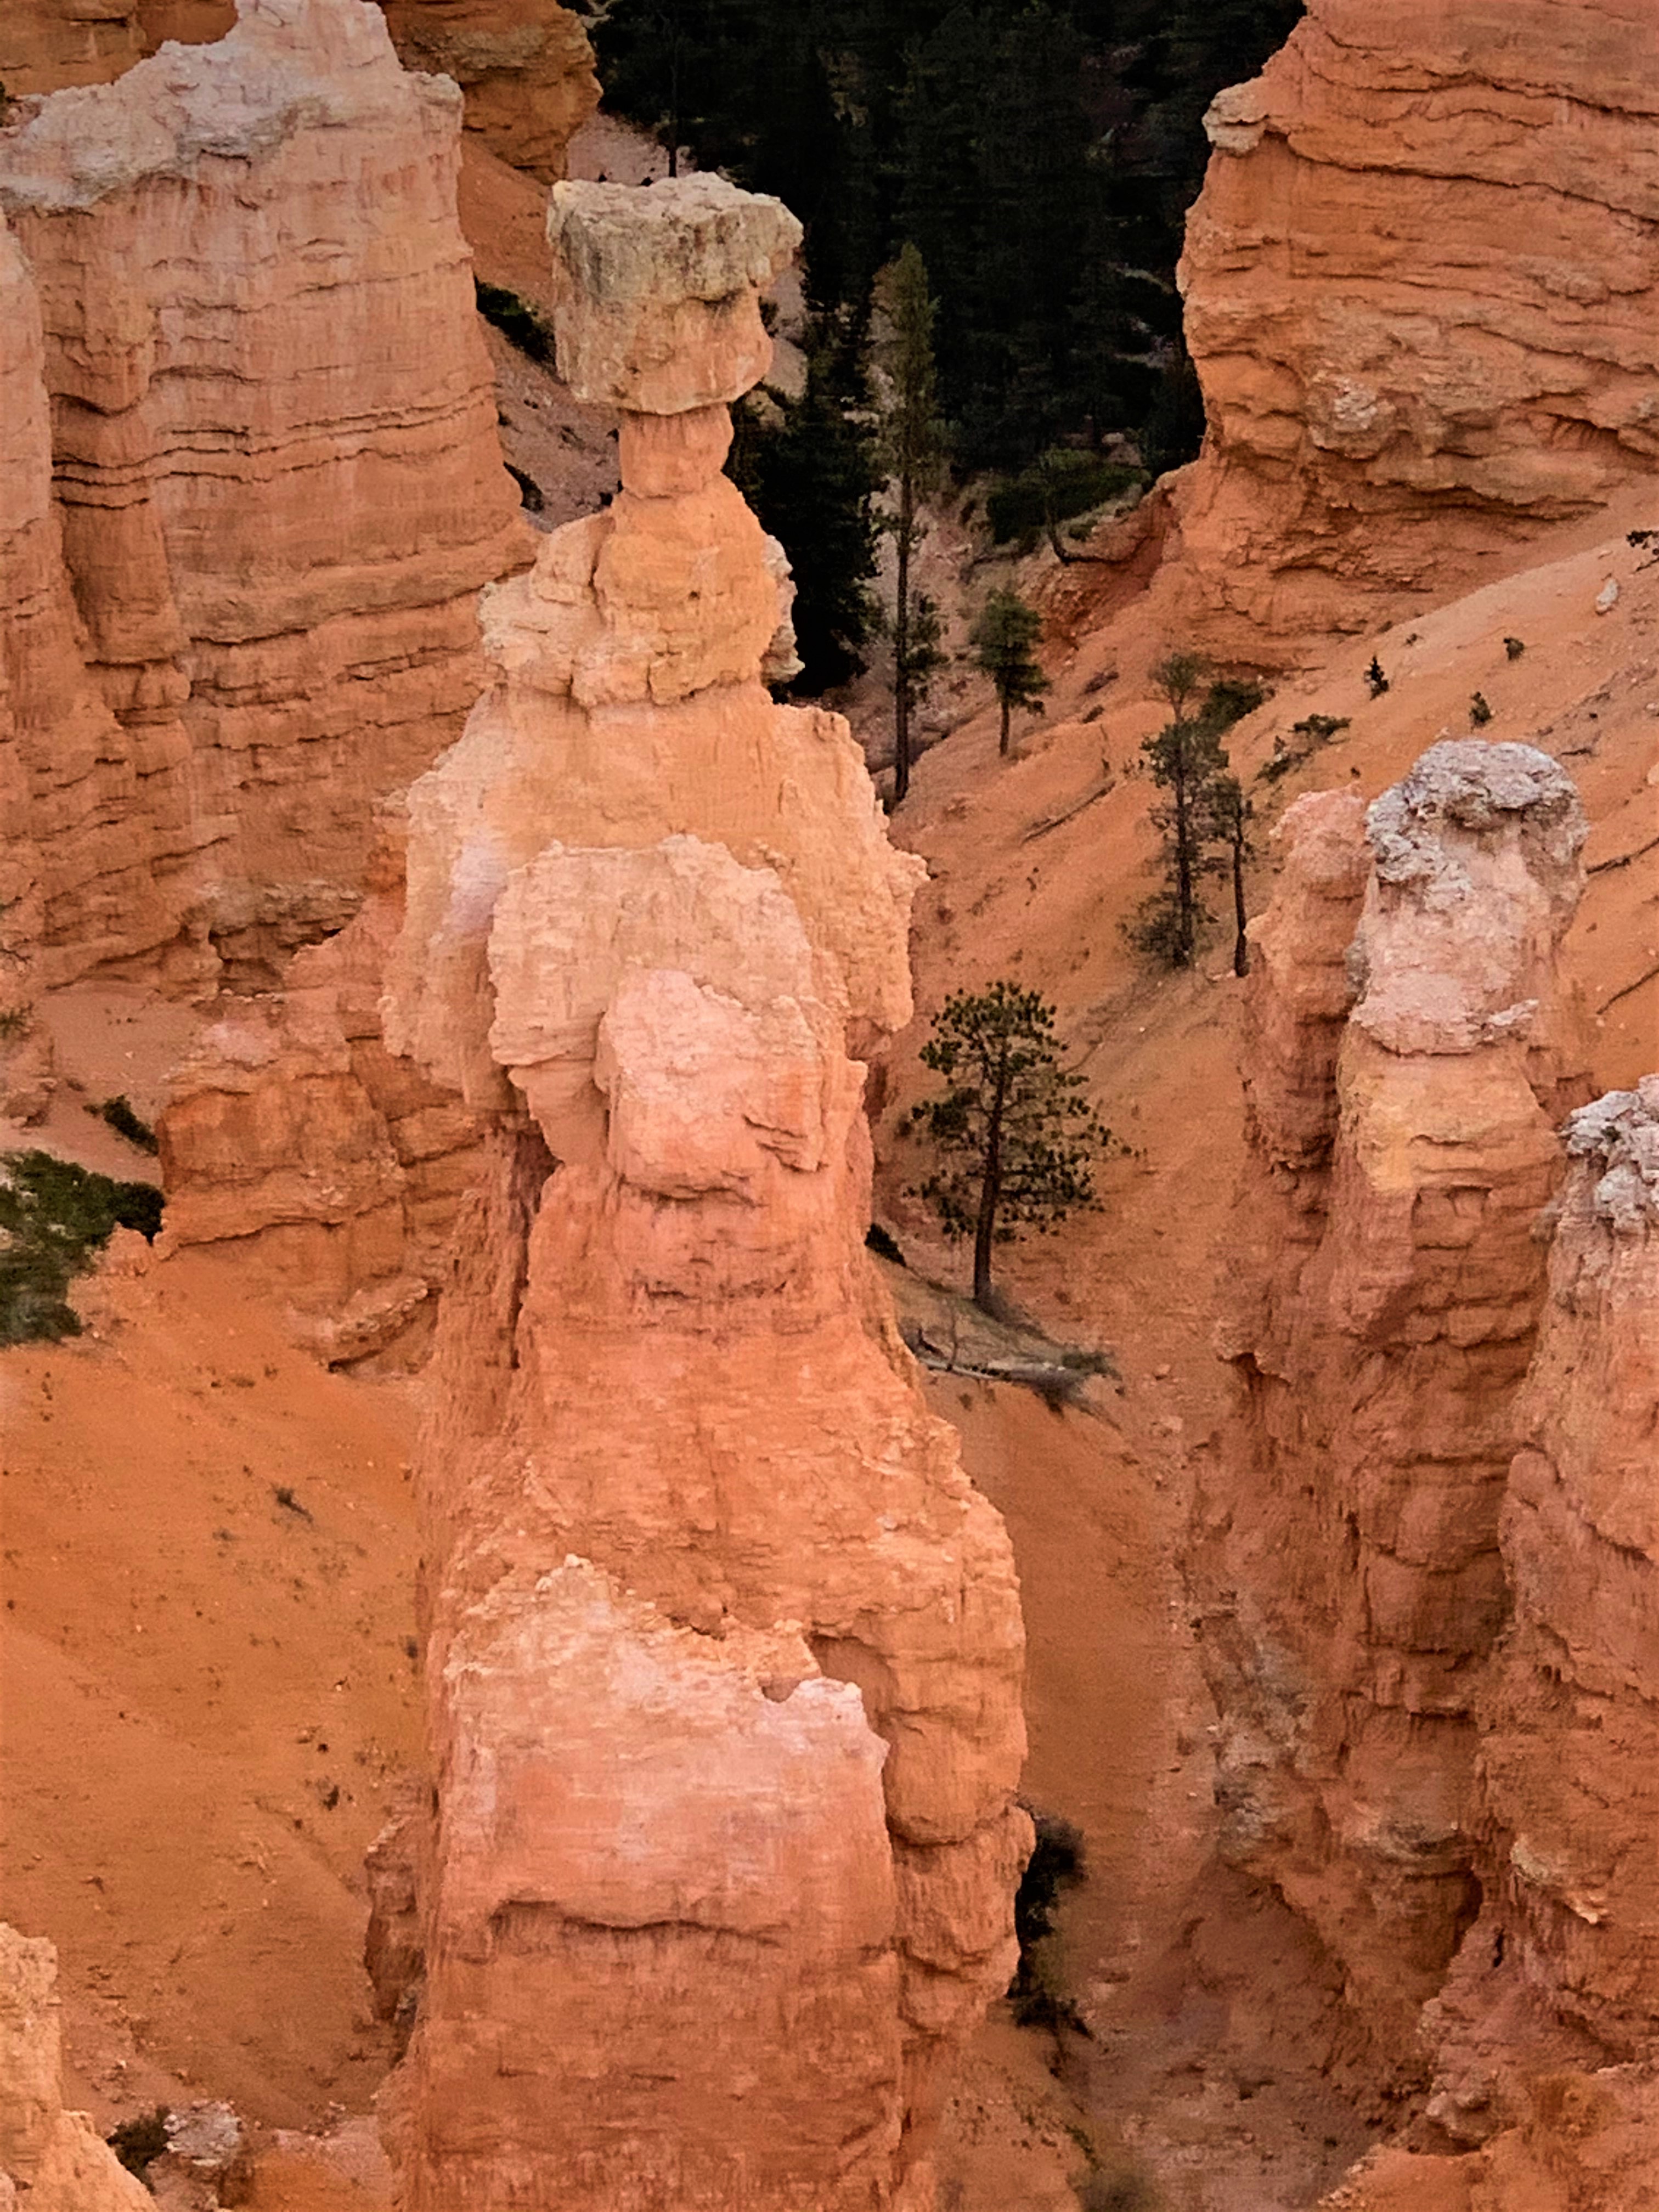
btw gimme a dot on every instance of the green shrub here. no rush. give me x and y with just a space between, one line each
136 2142
119 1114
1061 484
1056 1864
54 1216
516 320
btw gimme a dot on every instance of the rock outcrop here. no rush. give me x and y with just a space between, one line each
723 1651
277 484
1350 1568
333 1168
524 66
1563 1966
1545 2035
1420 286
51 2160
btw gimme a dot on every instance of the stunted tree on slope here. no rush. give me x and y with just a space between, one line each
1002 640
1016 1138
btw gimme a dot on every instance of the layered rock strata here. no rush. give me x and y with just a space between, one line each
51 2160
334 1169
1420 288
1563 1966
1350 1567
524 66
276 477
723 1651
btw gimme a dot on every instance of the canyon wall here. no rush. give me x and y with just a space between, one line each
1545 2036
1420 286
524 66
278 486
723 1651
1348 1559
51 2160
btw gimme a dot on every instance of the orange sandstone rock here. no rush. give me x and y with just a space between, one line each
1350 1565
1420 288
51 2160
275 462
524 66
679 1489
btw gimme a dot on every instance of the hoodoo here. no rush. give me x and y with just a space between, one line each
1351 1567
277 483
723 1651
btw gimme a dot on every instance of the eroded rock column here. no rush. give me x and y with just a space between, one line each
277 475
723 1651
1348 1551
1563 1966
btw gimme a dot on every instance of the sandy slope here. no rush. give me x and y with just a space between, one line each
206 1643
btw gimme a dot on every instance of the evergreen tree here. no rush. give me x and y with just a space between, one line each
1041 159
1016 1139
1002 640
1233 815
920 658
1205 806
912 447
807 467
1185 758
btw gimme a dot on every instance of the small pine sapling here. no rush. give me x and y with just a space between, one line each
1375 682
1480 710
1002 640
1515 646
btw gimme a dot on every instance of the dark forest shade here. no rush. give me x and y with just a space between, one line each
1042 158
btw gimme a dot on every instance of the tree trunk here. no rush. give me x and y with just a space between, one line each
1241 946
1185 929
907 523
1002 746
990 1191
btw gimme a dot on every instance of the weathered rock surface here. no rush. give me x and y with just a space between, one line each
1349 1560
51 2160
1562 1964
335 1168
277 475
1420 286
527 68
657 301
723 1652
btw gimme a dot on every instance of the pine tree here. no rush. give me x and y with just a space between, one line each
1016 1139
912 446
1233 814
1185 758
1002 640
807 467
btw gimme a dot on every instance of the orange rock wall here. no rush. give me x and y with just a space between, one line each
525 65
276 474
1348 1552
1420 286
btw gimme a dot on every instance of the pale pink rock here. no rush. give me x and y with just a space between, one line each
51 2160
650 906
276 511
524 66
1394 1283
